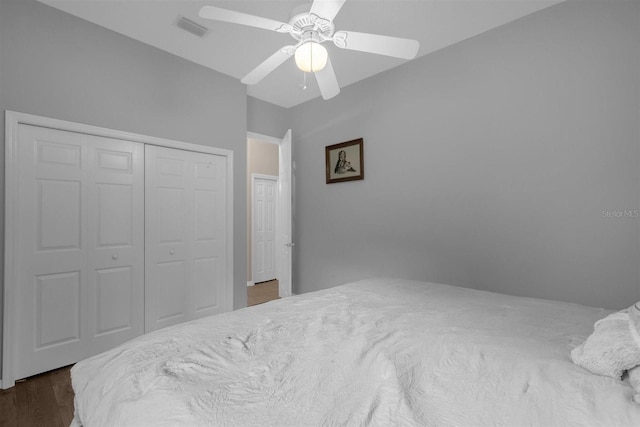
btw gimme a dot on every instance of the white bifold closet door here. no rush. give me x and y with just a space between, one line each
81 247
185 235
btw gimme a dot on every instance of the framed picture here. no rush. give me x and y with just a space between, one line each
345 161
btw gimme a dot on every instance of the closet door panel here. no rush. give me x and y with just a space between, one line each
114 311
115 215
53 291
185 220
80 283
207 297
209 231
170 205
115 253
58 208
172 292
51 261
166 258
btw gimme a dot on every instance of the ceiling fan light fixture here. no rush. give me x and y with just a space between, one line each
311 57
311 29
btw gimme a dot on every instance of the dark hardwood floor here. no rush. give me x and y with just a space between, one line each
47 399
41 400
262 292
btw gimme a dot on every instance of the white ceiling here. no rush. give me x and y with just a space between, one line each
236 49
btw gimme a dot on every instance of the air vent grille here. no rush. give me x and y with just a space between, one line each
192 27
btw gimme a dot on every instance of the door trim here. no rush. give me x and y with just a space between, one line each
265 138
12 122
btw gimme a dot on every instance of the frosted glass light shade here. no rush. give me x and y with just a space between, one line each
311 57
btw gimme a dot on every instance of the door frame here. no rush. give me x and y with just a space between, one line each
254 177
277 141
13 120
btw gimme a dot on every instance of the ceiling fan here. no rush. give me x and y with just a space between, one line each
311 29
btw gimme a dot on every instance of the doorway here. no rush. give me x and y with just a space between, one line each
269 167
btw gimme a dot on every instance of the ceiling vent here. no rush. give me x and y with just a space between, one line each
192 27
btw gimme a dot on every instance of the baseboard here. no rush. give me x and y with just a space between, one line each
250 283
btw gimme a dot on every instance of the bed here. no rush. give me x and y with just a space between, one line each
378 352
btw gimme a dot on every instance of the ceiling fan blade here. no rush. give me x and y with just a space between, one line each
326 9
373 43
268 65
225 15
327 81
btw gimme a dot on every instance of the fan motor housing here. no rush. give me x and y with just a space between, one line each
307 23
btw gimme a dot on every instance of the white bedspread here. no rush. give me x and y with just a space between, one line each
378 352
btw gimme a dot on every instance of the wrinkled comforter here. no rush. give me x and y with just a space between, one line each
378 352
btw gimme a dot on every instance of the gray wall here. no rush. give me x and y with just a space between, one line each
266 118
488 164
59 66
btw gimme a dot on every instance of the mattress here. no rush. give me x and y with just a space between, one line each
378 352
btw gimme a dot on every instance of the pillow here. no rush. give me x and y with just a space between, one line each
614 345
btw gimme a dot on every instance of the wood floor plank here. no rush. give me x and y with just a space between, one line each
8 412
40 406
63 392
22 405
262 292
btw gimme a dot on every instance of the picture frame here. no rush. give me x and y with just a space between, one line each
345 161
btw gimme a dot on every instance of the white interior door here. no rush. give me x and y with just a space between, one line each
285 243
79 280
115 238
264 203
185 224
